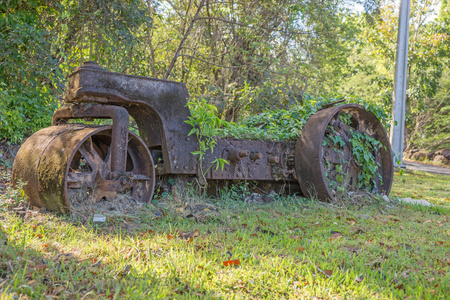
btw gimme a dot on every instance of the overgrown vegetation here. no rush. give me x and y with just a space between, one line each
278 124
245 57
287 125
205 125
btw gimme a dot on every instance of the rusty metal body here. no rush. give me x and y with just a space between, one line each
104 161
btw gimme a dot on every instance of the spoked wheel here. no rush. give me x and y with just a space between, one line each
342 150
70 165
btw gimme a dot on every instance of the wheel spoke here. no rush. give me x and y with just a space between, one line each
80 180
92 157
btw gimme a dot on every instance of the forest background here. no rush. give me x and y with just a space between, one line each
245 57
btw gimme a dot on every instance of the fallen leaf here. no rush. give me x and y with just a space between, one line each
41 267
57 290
328 272
441 262
402 228
125 270
147 233
406 246
440 243
359 279
359 231
300 249
231 262
427 221
169 236
387 246
399 287
335 235
351 223
239 239
352 249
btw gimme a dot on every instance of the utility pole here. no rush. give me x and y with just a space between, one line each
397 132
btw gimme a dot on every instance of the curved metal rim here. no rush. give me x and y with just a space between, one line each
325 116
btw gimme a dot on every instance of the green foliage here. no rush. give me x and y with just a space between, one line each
363 149
372 64
283 124
205 125
29 76
24 113
433 127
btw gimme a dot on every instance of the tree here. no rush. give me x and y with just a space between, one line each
374 59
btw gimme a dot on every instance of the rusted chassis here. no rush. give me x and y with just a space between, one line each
67 164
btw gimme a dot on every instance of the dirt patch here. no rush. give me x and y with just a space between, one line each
120 205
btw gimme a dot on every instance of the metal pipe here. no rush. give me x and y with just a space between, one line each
120 122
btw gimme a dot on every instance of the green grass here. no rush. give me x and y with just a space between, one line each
380 251
434 188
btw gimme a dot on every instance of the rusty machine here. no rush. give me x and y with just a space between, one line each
68 163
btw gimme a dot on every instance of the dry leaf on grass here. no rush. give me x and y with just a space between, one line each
232 262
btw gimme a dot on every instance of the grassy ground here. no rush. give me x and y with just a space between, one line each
420 185
291 248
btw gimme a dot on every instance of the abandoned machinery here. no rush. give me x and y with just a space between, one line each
71 163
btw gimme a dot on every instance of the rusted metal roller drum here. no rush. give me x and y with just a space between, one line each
343 150
70 165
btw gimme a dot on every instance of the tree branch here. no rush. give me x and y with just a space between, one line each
188 31
257 27
210 63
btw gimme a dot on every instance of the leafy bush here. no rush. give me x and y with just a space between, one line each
24 113
282 124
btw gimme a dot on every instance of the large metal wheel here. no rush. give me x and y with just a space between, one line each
70 165
326 161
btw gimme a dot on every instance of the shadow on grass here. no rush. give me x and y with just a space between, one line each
283 247
35 263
